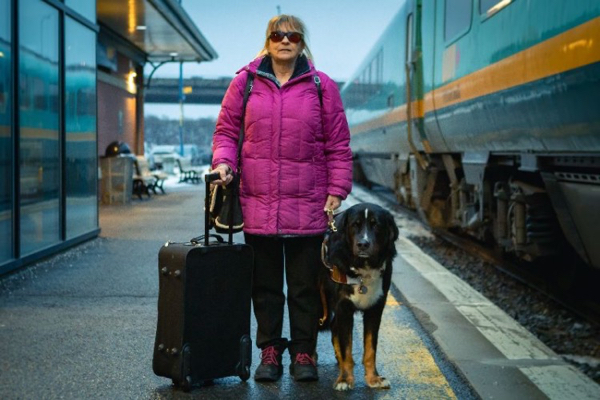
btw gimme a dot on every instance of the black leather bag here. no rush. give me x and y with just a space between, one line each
225 204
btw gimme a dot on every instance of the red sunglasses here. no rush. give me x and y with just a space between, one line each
277 36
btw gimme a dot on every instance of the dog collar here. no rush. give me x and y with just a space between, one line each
339 277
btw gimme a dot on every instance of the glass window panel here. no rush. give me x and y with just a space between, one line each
6 152
87 8
81 155
39 140
458 17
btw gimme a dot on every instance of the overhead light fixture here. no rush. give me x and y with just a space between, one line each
131 84
141 27
174 54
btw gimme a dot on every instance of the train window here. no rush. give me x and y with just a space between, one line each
457 19
409 41
491 7
380 67
368 83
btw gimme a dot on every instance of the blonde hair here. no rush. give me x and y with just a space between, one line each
291 22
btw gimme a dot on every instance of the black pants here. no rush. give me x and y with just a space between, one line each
301 258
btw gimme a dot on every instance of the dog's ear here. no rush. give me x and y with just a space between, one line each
339 250
345 228
341 223
393 230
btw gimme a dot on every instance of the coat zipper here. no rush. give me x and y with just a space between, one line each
273 79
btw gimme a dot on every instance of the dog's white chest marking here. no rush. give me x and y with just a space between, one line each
374 284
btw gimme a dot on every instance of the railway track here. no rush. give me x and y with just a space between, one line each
580 303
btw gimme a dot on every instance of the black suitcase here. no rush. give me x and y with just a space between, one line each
203 328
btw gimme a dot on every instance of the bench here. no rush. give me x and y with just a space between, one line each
187 172
145 179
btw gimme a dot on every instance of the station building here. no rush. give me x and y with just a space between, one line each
71 82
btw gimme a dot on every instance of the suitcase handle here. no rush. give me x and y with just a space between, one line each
208 178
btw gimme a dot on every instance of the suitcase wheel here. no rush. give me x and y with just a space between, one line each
243 367
245 373
185 384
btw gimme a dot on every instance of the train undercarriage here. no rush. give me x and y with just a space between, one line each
532 206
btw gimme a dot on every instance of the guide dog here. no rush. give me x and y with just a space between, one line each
358 256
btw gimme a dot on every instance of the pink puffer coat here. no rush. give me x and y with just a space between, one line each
295 152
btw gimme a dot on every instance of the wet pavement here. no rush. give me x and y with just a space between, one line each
81 324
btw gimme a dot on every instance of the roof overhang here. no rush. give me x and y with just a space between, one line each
161 29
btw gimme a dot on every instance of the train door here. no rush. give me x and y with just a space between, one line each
419 61
417 177
414 85
428 46
428 183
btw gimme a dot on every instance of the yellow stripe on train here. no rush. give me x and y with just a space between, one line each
572 49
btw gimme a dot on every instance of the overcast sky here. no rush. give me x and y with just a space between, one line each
341 33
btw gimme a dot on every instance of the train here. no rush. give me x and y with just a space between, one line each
484 117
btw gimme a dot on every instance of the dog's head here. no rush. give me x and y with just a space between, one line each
366 235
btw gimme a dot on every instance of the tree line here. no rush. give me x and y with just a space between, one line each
163 131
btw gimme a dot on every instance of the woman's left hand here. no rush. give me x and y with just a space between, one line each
332 203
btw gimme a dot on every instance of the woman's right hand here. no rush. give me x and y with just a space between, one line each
225 174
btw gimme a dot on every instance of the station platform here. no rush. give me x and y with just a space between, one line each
82 323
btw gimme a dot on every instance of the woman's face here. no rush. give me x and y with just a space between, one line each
285 51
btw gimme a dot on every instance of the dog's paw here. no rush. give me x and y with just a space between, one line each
378 382
343 384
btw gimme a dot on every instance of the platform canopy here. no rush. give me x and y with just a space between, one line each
159 28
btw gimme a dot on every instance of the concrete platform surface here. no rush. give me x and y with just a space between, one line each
81 325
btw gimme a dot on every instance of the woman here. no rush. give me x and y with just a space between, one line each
295 163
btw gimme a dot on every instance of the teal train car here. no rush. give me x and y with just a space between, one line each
484 116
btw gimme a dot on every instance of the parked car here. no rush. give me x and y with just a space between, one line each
159 153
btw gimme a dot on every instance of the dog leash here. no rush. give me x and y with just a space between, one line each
331 220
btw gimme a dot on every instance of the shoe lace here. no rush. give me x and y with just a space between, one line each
304 359
269 355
